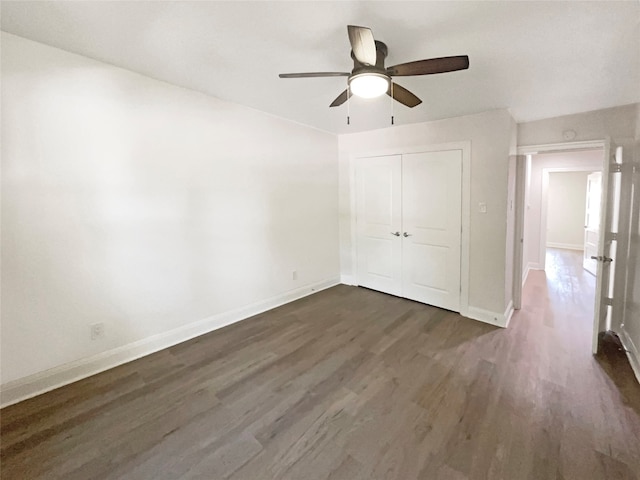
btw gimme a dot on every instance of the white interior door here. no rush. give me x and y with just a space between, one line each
592 222
431 223
607 243
379 223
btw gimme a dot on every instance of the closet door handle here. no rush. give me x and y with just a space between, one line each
405 234
397 234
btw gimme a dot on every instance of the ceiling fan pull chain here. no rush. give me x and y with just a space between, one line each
348 104
392 120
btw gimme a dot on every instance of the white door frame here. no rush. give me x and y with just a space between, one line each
561 147
465 147
518 237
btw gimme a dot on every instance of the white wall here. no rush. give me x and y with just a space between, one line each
566 202
148 207
491 137
533 250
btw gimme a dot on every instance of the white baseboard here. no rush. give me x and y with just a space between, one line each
348 280
508 313
530 266
38 383
566 246
492 318
632 352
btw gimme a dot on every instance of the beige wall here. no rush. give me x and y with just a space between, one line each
618 123
566 202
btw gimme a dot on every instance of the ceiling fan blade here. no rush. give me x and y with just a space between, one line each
341 98
403 95
430 66
314 74
362 44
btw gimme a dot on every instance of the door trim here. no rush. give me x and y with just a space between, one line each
560 147
518 224
465 147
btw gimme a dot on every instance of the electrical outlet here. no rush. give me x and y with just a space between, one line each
97 331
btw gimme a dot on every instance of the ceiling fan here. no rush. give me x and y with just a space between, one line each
369 77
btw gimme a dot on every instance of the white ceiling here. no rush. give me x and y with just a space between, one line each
539 59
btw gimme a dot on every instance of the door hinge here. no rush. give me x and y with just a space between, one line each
608 301
615 167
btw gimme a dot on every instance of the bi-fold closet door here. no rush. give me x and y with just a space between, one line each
409 210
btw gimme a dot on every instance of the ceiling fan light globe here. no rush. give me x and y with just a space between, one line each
369 85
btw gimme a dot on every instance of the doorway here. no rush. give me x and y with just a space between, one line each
570 229
554 214
570 216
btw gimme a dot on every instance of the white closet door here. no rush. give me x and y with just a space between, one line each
432 206
379 210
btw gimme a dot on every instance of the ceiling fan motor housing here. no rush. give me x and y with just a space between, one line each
369 81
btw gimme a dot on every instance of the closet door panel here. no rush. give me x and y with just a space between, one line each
431 218
378 218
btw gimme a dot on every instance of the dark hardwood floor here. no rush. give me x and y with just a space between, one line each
352 384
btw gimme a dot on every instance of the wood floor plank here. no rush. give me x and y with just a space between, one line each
349 469
353 384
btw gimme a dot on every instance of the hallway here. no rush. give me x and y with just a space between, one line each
568 281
